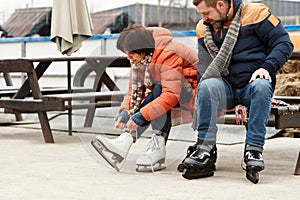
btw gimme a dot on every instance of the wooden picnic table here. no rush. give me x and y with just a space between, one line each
41 104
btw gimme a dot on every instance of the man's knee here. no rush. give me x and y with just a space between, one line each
211 85
262 85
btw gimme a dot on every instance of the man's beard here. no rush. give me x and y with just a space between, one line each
218 23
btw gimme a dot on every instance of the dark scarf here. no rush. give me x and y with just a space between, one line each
221 58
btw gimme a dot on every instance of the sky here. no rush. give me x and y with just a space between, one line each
94 5
11 5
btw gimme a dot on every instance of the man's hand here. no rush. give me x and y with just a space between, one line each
260 73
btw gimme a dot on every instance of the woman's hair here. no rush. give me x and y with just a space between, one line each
136 39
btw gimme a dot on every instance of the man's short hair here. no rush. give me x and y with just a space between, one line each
209 3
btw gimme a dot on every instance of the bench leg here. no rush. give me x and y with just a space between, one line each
89 117
47 133
9 82
19 117
297 169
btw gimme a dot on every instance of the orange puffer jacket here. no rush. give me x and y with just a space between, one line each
171 62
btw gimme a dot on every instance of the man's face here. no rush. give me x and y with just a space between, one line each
216 17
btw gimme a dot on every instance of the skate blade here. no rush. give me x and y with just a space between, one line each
116 156
254 178
100 148
252 175
149 168
187 174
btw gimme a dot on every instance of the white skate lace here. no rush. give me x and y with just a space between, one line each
153 144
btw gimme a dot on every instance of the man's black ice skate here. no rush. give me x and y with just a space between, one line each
254 162
201 163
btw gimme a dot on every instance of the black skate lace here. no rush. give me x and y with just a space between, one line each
256 154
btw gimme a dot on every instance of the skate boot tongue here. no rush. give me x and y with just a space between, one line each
204 148
154 143
155 154
253 148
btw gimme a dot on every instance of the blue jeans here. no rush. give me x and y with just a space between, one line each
162 123
216 94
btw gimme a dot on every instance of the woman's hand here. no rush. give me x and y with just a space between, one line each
121 120
131 125
119 124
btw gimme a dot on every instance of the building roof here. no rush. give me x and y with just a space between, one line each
103 19
29 21
173 18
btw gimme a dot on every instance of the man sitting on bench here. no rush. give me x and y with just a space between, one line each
248 45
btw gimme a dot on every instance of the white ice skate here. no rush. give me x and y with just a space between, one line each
118 147
154 157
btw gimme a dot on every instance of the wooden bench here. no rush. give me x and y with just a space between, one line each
287 116
91 100
60 102
281 117
10 92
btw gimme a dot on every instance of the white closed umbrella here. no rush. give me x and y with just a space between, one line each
71 24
